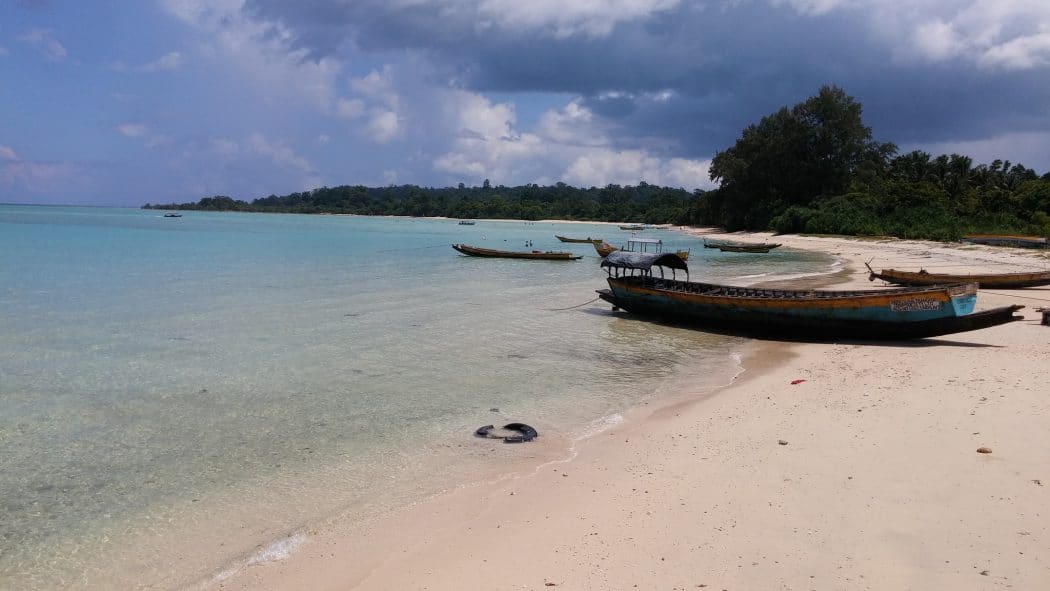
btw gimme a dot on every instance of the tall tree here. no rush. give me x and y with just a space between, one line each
794 156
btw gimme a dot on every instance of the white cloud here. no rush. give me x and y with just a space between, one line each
350 109
7 153
488 145
44 40
3 51
38 176
323 139
1012 34
132 130
281 155
262 50
630 167
169 61
384 126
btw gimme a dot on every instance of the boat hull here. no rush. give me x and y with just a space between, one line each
1007 240
579 240
991 281
476 251
874 314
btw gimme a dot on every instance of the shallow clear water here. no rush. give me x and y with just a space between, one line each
218 380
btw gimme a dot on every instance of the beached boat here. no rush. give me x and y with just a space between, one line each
579 240
633 227
759 248
897 313
638 245
740 246
987 280
466 222
476 251
1007 240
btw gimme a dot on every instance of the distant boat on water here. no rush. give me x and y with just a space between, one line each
900 313
476 251
1007 240
986 280
579 240
633 227
654 245
173 215
466 222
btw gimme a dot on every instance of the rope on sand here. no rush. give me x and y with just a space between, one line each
1011 295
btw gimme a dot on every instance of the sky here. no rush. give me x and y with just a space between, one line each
124 102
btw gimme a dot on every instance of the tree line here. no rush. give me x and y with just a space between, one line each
811 168
643 203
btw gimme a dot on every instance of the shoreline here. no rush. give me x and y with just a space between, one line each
877 485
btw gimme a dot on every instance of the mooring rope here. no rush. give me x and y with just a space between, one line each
576 306
1010 295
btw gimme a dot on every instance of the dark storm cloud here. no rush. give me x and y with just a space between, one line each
723 65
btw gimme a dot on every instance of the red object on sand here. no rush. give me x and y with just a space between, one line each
796 382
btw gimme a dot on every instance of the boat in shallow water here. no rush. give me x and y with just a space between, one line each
476 251
579 240
898 313
986 280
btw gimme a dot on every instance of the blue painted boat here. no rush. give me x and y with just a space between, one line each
901 313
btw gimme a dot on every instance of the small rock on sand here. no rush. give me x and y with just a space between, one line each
984 450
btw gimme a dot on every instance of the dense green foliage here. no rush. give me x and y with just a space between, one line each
644 203
813 168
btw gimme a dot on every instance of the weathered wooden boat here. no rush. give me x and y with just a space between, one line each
466 222
747 248
604 249
896 313
633 227
986 280
578 240
638 245
476 251
1007 240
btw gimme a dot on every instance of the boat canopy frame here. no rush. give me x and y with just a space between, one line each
622 263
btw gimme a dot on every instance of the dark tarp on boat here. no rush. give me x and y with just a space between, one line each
643 260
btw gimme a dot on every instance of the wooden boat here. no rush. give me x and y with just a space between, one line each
897 313
988 280
1007 240
637 245
740 246
578 240
633 227
760 248
466 222
476 251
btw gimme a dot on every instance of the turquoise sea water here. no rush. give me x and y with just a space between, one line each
215 382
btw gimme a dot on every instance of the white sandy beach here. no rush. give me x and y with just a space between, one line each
864 475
